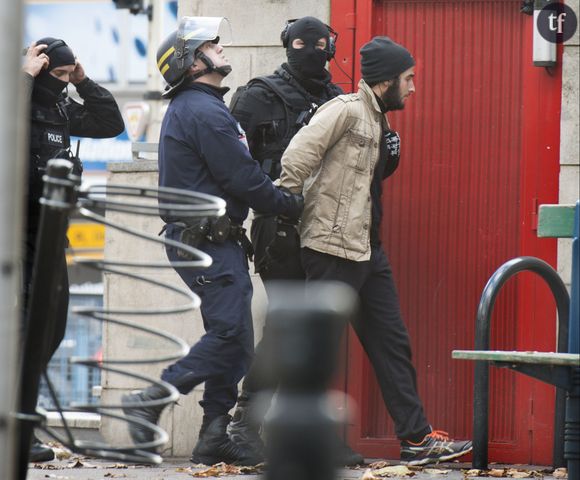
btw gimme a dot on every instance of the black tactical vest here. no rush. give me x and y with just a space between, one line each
49 131
49 138
291 107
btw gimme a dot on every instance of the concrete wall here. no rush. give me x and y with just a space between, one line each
256 27
570 137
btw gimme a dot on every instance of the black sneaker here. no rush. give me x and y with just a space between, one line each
436 447
40 452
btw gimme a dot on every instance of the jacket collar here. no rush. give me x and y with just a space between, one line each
368 96
217 92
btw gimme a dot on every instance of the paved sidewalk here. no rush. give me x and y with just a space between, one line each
76 468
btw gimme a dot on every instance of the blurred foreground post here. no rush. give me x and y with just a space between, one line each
12 161
58 199
306 323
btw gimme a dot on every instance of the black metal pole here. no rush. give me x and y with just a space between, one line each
482 340
306 323
58 199
572 428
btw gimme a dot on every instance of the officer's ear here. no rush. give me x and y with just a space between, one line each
197 66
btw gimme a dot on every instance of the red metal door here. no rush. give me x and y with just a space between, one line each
480 142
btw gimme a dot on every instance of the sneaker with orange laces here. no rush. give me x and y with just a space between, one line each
434 448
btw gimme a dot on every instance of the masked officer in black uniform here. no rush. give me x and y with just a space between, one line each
49 66
271 110
202 148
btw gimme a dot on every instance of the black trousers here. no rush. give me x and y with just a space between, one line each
381 331
222 356
61 301
260 377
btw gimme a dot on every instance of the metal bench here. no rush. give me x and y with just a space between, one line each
561 368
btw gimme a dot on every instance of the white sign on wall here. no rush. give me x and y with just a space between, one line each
137 115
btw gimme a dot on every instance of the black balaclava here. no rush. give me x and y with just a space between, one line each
308 61
46 87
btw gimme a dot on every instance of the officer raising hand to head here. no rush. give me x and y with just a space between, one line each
49 66
35 60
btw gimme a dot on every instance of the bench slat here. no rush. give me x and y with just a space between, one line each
538 358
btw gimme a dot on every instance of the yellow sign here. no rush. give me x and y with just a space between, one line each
86 235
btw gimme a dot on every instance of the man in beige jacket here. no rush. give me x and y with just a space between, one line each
338 162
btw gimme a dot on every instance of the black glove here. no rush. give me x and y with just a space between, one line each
286 240
296 205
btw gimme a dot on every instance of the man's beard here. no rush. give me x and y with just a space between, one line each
392 97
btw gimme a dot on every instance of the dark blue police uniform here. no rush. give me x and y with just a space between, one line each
203 149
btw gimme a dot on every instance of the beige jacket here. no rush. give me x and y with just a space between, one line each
331 161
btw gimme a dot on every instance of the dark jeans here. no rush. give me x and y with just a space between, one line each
381 331
223 354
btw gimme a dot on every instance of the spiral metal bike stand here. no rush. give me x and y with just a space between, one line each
62 197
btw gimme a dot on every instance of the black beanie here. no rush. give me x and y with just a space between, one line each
382 59
59 53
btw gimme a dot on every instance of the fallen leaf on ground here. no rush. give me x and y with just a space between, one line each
377 465
217 470
517 473
474 472
252 470
436 471
394 471
80 464
561 473
496 472
47 466
115 475
183 470
61 453
368 475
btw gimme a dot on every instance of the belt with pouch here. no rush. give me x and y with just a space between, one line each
216 230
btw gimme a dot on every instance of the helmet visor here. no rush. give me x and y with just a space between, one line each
204 29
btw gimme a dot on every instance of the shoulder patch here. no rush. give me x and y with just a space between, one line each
349 97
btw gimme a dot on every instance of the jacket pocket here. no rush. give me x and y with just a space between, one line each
359 145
